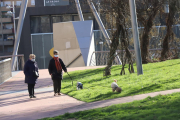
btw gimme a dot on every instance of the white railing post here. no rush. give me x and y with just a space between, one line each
19 30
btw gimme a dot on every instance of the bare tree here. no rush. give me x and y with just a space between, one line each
173 9
118 12
146 13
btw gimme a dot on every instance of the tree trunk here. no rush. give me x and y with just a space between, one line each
145 38
113 47
148 24
165 53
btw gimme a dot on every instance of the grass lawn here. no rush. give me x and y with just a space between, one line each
165 107
157 77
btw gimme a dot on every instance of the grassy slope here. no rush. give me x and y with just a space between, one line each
164 107
157 77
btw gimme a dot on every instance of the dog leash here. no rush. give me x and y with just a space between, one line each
70 77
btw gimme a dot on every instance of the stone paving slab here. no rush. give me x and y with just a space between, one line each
21 107
16 83
16 105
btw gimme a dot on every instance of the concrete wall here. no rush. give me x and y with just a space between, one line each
5 70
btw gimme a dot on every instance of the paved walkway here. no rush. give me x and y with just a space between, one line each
15 104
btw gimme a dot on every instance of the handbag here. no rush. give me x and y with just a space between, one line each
36 74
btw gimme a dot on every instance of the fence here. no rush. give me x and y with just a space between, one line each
41 45
19 64
103 56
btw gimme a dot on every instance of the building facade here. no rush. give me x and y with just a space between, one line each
37 29
7 34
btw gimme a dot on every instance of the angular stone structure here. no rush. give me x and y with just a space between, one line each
75 42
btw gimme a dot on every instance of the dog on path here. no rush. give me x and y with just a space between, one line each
115 87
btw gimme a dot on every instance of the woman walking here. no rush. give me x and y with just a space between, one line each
31 74
55 70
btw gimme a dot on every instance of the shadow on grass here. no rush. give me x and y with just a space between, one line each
146 89
167 65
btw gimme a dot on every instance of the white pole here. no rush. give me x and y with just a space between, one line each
98 4
15 31
136 36
79 10
19 30
101 25
14 20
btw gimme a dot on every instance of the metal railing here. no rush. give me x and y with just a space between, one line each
103 56
19 61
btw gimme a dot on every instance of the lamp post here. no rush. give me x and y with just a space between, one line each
136 36
166 6
101 45
101 49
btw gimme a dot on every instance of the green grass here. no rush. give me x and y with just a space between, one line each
162 107
157 77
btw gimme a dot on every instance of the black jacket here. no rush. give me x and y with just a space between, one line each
29 70
52 69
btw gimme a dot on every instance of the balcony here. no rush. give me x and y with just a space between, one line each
4 9
6 31
6 20
9 42
5 53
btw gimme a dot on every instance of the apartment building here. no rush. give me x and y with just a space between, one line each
7 26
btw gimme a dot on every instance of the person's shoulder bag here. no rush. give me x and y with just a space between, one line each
36 74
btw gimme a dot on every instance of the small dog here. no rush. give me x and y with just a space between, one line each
115 87
79 85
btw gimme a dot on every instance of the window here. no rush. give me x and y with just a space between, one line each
67 18
1 39
18 3
32 2
10 49
76 18
56 19
40 24
7 3
88 17
1 49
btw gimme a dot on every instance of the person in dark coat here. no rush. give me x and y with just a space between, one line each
31 74
55 70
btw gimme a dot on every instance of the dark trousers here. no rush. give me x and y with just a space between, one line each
31 89
57 85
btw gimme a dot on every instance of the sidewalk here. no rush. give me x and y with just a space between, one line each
16 105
